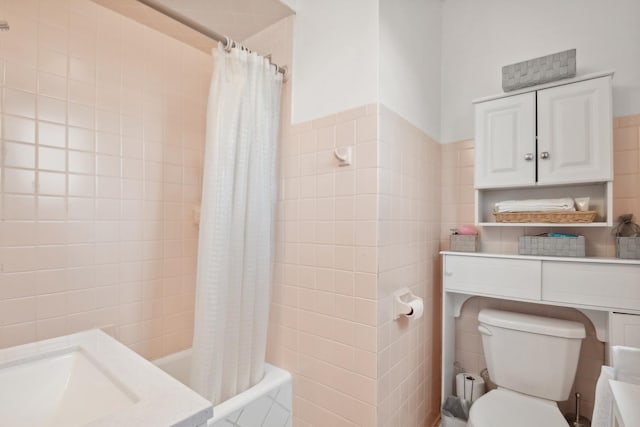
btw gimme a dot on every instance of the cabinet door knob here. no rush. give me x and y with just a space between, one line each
528 157
544 155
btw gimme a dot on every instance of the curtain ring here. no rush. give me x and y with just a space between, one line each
228 45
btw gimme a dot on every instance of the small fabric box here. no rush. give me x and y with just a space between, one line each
628 247
557 66
552 246
464 243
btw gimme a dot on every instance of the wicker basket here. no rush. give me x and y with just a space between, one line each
548 217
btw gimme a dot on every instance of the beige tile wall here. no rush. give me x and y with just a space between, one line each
323 314
323 311
102 139
348 237
408 241
457 208
102 136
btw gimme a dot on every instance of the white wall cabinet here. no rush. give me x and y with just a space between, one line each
572 124
548 140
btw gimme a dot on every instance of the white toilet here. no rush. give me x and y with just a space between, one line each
533 361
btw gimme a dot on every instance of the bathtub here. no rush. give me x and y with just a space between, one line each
266 404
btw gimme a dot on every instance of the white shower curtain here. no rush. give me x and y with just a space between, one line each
235 247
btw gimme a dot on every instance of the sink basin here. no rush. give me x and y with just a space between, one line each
90 379
58 390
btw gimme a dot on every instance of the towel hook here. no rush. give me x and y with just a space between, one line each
343 155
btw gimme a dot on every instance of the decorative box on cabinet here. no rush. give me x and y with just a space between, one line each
551 141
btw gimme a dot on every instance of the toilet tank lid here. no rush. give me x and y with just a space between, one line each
533 324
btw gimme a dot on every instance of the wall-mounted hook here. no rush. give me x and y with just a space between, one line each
343 155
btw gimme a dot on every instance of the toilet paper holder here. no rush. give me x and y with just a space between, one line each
402 300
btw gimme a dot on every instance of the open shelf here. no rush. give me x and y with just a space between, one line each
600 195
543 224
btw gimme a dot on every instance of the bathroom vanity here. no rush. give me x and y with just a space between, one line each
606 290
90 379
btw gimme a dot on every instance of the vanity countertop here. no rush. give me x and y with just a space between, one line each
157 400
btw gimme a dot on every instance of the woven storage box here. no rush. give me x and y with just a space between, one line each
464 243
552 246
628 247
557 66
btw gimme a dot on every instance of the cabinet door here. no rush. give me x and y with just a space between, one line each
574 132
625 329
505 142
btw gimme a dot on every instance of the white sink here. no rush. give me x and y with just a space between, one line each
89 379
59 389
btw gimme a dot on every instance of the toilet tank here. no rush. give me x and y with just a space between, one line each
530 354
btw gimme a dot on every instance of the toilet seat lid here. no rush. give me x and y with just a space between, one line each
504 408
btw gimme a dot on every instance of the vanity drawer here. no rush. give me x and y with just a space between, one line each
592 284
515 278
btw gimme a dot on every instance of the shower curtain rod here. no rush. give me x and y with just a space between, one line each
228 43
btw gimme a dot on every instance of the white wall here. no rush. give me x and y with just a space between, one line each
410 42
335 56
480 36
291 4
